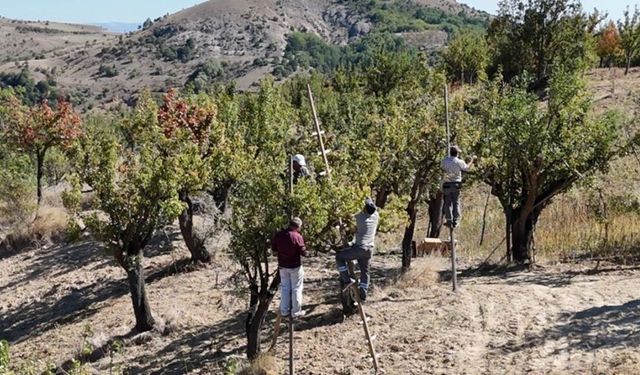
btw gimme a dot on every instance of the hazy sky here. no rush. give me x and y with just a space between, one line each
136 11
613 7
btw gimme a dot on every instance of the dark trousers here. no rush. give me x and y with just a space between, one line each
362 255
451 193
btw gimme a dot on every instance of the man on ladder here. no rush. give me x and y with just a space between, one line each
362 249
453 167
300 169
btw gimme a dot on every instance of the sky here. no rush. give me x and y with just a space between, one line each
614 8
136 11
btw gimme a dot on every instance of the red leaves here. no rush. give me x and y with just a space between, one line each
178 115
42 126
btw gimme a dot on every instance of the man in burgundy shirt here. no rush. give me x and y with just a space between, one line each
288 245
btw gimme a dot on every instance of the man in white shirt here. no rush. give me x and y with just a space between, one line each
452 183
362 249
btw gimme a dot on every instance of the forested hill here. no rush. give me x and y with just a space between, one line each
220 40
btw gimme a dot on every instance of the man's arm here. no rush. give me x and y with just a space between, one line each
302 249
465 166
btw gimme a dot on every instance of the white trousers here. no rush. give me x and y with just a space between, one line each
291 282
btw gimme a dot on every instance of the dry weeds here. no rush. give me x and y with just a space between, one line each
263 365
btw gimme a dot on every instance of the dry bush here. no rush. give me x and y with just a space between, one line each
263 365
423 273
169 322
48 227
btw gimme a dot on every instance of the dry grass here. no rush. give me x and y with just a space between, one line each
263 365
423 273
49 226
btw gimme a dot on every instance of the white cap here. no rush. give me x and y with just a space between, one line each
300 160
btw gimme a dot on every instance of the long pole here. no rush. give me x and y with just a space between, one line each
454 271
291 340
319 132
446 112
372 350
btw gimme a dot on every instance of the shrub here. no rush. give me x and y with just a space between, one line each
107 71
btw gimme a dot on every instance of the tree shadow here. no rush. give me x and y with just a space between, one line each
195 349
61 259
601 327
511 275
162 243
36 317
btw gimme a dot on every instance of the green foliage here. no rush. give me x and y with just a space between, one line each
29 91
205 76
72 199
532 151
17 188
629 29
183 53
466 57
135 181
405 15
4 356
108 71
522 44
306 50
56 167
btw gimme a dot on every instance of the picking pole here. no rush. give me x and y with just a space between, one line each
316 122
446 114
291 342
276 332
454 271
372 350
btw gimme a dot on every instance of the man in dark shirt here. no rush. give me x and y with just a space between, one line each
288 245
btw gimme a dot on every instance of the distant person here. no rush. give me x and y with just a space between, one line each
289 247
300 169
362 249
452 183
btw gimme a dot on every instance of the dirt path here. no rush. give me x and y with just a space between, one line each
561 319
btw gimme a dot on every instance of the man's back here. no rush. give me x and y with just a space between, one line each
289 245
453 168
366 228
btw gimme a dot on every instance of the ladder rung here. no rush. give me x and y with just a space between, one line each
323 173
325 152
316 133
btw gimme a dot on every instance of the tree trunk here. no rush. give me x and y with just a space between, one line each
408 235
626 70
39 171
141 309
195 245
382 196
258 308
522 235
435 215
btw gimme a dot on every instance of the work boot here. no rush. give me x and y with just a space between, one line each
363 294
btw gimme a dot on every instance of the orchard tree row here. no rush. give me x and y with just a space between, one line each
530 121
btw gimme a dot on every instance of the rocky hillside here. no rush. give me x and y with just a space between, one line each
217 40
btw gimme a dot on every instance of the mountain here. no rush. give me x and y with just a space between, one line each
217 40
119 27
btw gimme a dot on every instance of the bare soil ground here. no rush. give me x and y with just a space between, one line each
58 302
